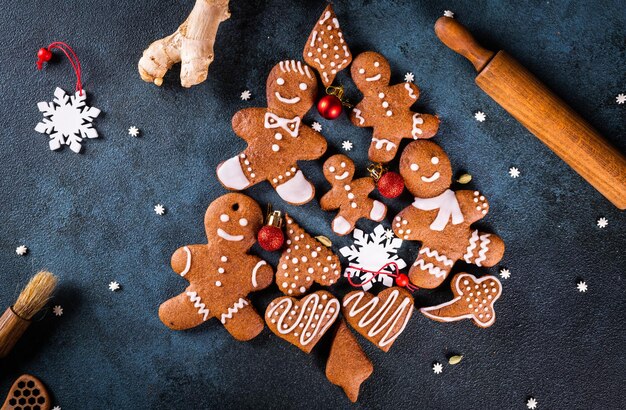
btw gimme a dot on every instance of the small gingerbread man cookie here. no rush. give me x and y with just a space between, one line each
276 137
441 218
349 196
221 273
387 108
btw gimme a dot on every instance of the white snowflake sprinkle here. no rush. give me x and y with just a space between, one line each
582 286
133 131
448 13
56 408
409 77
21 250
245 95
346 145
159 209
67 120
505 273
620 99
389 234
316 126
514 172
371 253
531 403
57 310
113 286
602 222
480 116
437 368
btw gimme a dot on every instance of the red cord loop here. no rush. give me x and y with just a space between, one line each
394 274
46 53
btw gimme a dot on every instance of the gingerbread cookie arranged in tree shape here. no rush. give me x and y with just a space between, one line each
276 137
349 196
221 273
387 108
441 218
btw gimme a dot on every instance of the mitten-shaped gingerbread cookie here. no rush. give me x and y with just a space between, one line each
473 299
276 137
349 196
221 273
441 218
387 108
326 50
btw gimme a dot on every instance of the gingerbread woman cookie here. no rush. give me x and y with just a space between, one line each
441 218
326 50
221 273
276 137
387 108
349 196
473 299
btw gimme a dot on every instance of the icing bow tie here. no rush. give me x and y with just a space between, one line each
290 125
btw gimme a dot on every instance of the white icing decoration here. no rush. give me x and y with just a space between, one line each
382 142
374 78
416 131
323 19
313 37
292 126
378 211
310 330
430 268
447 206
231 174
197 303
410 90
285 100
434 160
254 271
297 190
380 315
342 176
224 218
188 263
434 254
341 226
414 167
280 81
431 178
243 222
234 309
303 86
358 116
225 235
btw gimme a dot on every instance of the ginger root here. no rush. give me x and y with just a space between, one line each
191 45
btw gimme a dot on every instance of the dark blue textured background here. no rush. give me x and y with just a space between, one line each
89 217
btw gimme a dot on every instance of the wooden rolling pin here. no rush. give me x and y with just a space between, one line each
541 112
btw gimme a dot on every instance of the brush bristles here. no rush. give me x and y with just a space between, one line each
35 295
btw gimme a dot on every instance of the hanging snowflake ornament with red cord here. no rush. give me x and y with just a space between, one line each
67 119
271 236
390 184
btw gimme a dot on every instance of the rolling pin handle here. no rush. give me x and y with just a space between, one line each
454 35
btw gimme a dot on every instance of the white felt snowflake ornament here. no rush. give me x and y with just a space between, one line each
505 273
514 172
133 131
602 222
620 99
159 209
113 286
346 145
531 403
21 250
67 120
57 310
371 253
409 77
245 95
582 286
448 13
437 368
316 126
480 116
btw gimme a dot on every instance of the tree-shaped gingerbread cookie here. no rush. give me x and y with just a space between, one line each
221 273
441 218
350 196
276 137
387 108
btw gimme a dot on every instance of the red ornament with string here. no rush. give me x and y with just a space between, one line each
271 236
390 184
331 105
400 278
67 119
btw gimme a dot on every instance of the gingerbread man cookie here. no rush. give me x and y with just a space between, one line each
349 196
276 137
441 218
326 50
387 108
473 299
221 273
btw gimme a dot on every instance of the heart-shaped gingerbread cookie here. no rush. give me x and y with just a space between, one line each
380 319
302 322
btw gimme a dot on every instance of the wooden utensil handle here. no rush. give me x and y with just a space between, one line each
12 327
454 35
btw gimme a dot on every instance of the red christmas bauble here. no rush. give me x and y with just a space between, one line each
44 54
402 280
329 107
391 184
271 238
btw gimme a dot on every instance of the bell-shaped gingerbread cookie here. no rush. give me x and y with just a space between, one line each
473 299
440 218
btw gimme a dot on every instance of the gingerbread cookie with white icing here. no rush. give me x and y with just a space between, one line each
326 49
440 218
221 273
380 319
350 196
473 299
302 322
304 261
276 137
387 108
